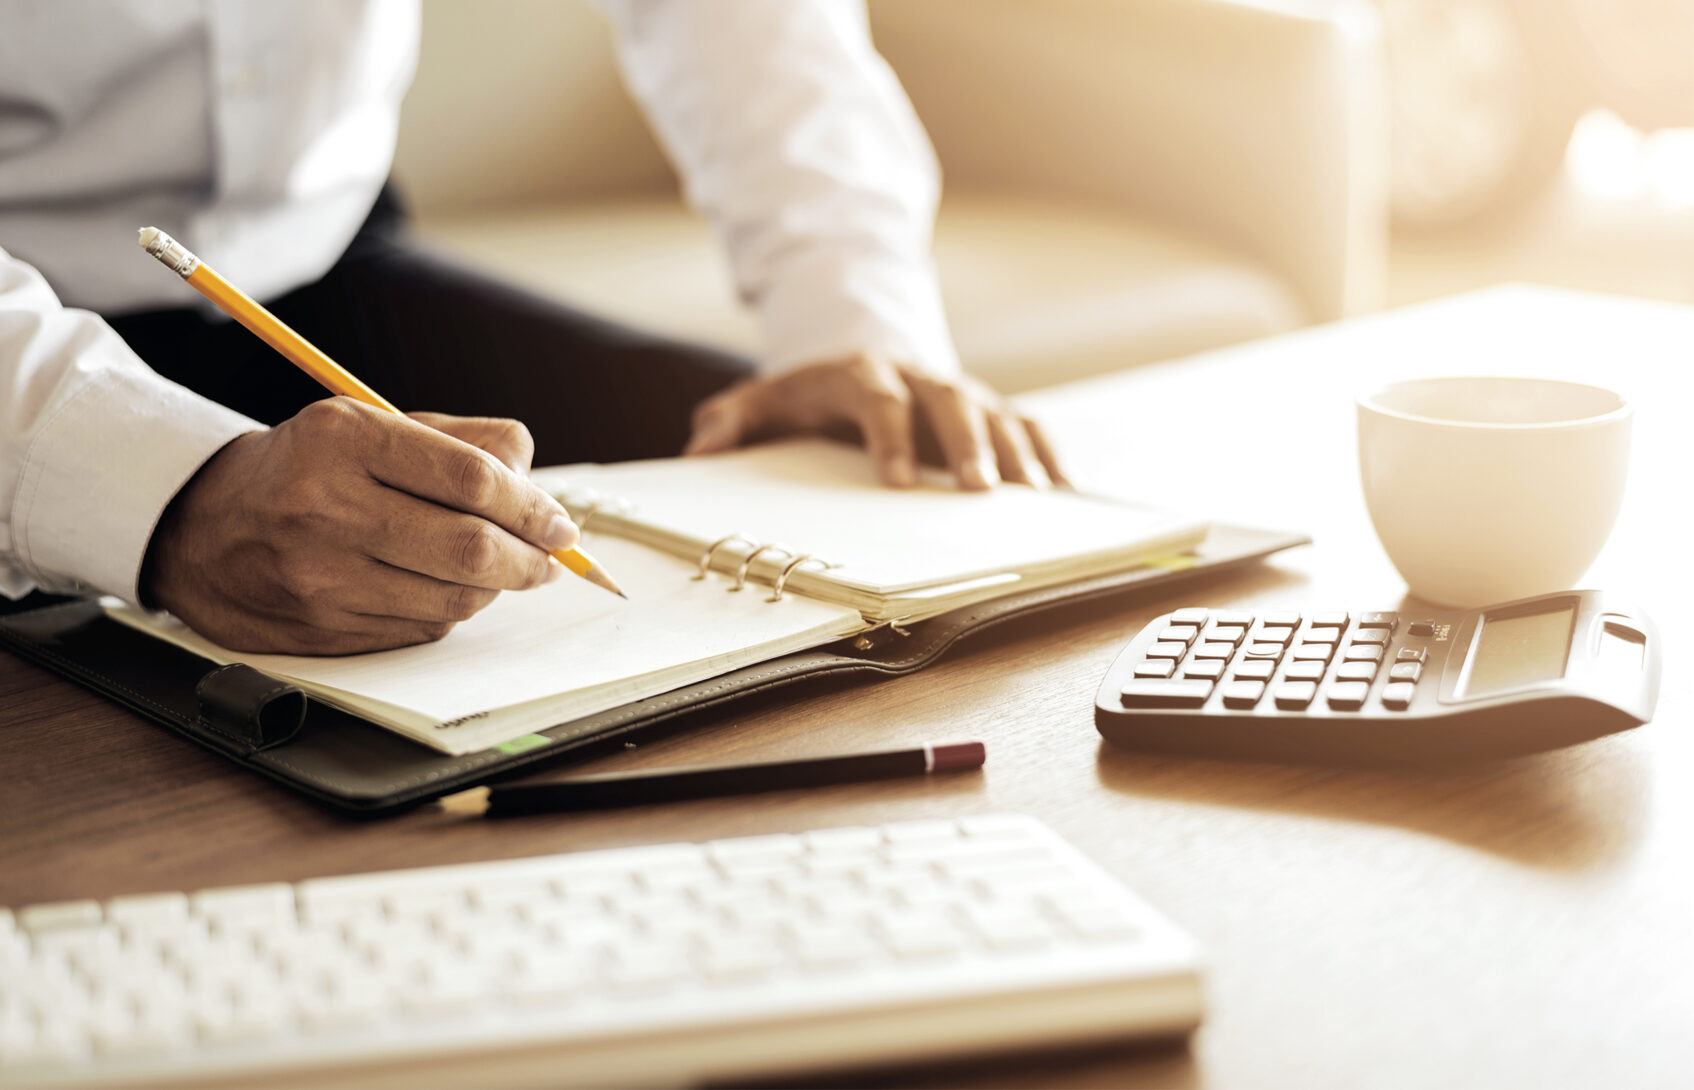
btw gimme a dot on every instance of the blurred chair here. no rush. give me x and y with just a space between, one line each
1125 180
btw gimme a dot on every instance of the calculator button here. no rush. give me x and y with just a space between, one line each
1264 650
1172 693
1304 671
1234 617
1286 618
1421 628
1329 620
1242 694
1356 671
1230 632
1156 668
1210 669
1183 633
1314 649
1412 654
1397 695
1370 635
1294 695
1377 620
1347 696
1405 671
1167 650
1214 651
1255 670
1364 652
1190 615
1273 634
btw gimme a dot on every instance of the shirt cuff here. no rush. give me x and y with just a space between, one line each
829 306
100 473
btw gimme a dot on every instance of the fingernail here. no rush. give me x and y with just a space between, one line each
561 533
972 476
902 473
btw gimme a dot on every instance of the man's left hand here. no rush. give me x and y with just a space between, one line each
981 438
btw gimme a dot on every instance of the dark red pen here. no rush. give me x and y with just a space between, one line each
614 789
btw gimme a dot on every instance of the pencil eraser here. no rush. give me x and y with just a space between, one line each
148 234
957 756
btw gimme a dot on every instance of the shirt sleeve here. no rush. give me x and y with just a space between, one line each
795 139
93 444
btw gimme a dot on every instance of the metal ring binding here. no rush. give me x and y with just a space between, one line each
747 562
706 557
787 570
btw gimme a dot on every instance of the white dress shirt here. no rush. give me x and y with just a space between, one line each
259 134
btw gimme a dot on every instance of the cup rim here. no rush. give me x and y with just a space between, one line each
1368 401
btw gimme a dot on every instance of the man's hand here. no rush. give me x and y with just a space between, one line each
894 409
347 528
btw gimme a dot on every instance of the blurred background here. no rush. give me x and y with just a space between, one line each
1126 180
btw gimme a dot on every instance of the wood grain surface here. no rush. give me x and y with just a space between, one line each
1522 923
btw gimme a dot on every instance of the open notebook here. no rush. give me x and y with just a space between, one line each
807 516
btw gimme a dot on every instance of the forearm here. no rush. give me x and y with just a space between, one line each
795 139
93 444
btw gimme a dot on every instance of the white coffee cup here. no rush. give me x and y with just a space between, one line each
1487 489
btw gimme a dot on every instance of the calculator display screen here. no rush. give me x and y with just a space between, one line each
1519 650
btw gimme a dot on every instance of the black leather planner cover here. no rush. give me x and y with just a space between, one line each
272 728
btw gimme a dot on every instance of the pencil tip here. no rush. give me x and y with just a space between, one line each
599 578
473 802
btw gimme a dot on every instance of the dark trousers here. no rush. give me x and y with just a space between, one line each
428 335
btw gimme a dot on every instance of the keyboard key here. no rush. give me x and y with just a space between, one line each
1179 633
1156 668
1347 696
1254 670
1377 620
1356 671
1214 651
62 915
1406 671
1280 618
1411 654
1226 633
1364 652
1370 636
1206 668
1304 671
1295 695
1314 650
1273 634
1421 628
1242 694
1189 615
1397 695
1175 693
1238 617
1329 620
1167 650
1265 650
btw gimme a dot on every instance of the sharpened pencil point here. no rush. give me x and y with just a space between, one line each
600 579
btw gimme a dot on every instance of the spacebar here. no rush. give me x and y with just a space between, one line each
1183 692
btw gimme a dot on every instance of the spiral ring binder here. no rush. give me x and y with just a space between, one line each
747 562
706 557
788 569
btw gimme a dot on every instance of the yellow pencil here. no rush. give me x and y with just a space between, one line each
299 351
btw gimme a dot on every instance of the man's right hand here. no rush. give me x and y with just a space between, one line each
347 529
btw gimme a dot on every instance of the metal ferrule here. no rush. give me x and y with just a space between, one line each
173 253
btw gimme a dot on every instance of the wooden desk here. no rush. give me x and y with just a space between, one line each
1524 924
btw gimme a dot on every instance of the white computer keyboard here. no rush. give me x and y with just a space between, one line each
669 964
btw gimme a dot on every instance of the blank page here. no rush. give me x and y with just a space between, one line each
819 497
541 657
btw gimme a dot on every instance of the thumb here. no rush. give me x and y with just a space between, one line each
720 424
